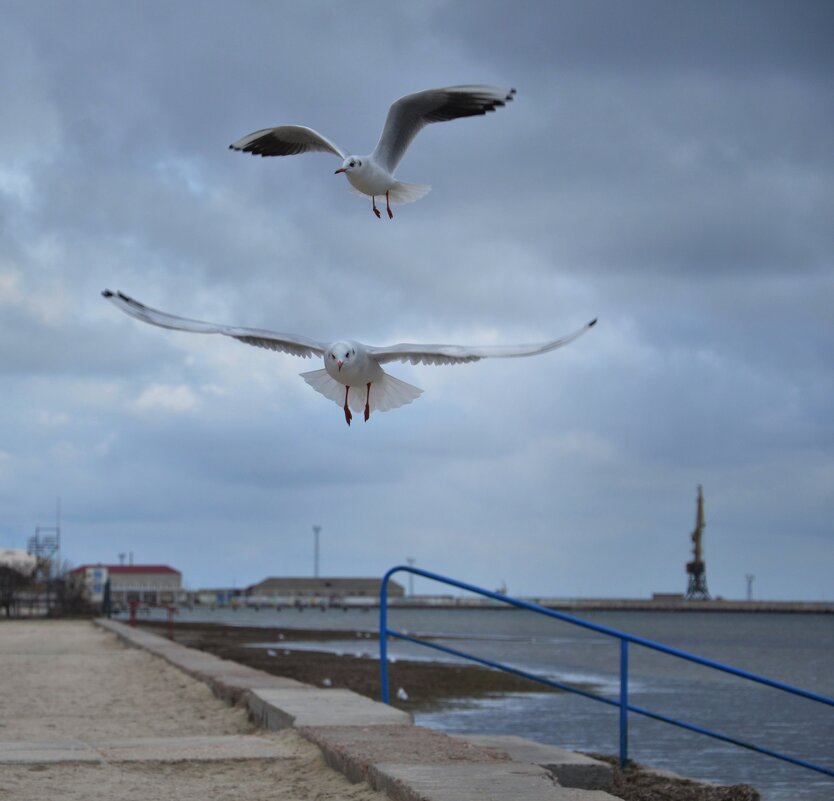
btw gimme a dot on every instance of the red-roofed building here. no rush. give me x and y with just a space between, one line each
150 584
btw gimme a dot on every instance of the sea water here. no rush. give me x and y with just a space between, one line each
797 649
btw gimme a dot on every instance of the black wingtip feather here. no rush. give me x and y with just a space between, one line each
592 323
107 294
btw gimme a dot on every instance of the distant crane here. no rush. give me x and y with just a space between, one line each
697 569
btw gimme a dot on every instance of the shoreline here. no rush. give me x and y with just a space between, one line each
568 605
427 684
432 684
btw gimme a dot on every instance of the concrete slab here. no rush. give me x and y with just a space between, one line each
364 739
310 706
144 749
233 688
189 749
475 782
46 752
229 680
353 750
567 767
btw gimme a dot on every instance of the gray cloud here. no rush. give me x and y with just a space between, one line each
665 167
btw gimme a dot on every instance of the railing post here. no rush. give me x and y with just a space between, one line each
383 639
623 702
133 603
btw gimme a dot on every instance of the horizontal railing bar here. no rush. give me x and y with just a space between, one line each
501 666
727 739
778 685
593 696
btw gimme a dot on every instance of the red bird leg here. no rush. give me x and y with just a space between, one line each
368 403
348 415
373 203
388 206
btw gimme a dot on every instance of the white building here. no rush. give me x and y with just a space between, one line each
19 560
149 584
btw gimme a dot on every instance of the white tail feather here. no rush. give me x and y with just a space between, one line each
407 193
400 193
386 393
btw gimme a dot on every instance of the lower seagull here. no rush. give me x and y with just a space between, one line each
348 365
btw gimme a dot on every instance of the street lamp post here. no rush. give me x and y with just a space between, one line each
316 531
410 561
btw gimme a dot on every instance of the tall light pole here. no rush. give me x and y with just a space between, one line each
410 561
749 577
316 531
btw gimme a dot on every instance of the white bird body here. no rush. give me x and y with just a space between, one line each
369 178
348 365
373 175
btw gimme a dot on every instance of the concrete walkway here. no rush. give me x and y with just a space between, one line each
369 743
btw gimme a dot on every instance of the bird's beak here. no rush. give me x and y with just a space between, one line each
341 169
340 364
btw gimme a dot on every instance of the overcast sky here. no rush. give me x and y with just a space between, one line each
667 167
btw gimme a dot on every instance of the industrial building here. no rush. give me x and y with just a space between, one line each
149 584
329 589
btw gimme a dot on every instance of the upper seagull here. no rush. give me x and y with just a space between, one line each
374 174
347 364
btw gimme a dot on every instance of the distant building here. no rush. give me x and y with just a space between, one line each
215 596
338 589
149 584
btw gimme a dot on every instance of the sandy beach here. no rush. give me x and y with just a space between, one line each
68 681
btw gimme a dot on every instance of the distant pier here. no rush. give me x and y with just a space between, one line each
657 604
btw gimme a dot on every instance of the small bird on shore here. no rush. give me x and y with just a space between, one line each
373 174
348 365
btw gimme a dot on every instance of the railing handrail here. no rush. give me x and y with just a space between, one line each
625 639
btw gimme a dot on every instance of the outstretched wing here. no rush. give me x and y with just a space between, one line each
408 115
286 140
460 354
261 338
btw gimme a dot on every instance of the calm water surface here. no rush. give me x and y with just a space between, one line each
796 649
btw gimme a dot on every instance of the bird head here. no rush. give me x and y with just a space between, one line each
341 354
350 164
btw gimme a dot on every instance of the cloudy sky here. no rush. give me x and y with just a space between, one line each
667 167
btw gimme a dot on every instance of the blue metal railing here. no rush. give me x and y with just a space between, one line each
625 639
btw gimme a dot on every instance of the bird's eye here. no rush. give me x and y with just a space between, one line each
332 355
353 164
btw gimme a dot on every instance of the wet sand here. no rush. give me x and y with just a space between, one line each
427 684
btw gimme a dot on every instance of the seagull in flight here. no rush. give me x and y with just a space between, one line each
374 174
352 376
